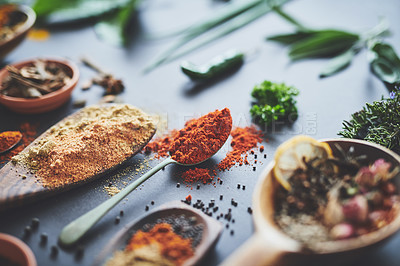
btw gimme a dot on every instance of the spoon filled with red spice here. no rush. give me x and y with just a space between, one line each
8 140
199 140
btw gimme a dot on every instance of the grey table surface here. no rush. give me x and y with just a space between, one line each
323 104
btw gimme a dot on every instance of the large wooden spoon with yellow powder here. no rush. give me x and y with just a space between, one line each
82 147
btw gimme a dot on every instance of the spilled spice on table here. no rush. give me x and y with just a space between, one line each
85 145
243 140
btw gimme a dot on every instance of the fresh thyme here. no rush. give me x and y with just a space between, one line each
378 122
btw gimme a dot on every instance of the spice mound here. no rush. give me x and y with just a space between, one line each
89 142
170 241
11 21
333 198
201 137
35 79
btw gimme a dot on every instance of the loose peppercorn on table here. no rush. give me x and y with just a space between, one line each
169 94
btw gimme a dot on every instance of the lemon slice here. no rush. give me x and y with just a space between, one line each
291 155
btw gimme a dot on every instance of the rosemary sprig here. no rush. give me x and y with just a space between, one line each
378 122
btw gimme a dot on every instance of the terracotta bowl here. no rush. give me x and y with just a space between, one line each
9 45
16 251
46 102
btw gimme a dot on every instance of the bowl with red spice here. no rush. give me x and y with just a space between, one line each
15 22
38 85
172 234
352 207
15 252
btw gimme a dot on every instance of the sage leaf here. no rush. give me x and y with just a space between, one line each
338 63
290 38
113 27
384 62
323 44
61 11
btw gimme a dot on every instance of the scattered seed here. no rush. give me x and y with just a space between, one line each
35 223
146 208
250 210
178 185
43 238
121 213
254 168
255 156
227 226
54 251
261 148
244 187
238 186
27 230
117 219
79 253
265 156
221 197
198 186
232 232
152 202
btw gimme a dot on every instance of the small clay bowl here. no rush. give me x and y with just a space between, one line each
7 46
15 251
46 102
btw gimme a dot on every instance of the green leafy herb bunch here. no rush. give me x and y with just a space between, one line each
378 122
341 47
273 102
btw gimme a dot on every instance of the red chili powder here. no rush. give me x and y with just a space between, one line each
201 137
197 174
243 140
28 135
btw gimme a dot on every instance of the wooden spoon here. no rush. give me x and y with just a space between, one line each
211 231
270 246
18 185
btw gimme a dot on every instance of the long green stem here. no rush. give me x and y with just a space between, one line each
77 228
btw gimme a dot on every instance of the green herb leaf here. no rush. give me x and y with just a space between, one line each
323 44
290 38
384 62
113 28
61 11
232 18
273 102
338 63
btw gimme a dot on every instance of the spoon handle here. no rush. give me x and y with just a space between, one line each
77 228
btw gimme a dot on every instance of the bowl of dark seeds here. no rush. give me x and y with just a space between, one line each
37 85
15 22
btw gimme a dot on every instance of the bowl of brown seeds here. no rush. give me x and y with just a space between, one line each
15 22
37 85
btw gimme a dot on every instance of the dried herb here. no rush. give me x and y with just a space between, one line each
34 80
103 79
378 122
341 46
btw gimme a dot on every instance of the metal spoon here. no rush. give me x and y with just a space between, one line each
17 140
77 228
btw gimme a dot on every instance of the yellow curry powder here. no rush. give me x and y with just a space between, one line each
95 140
